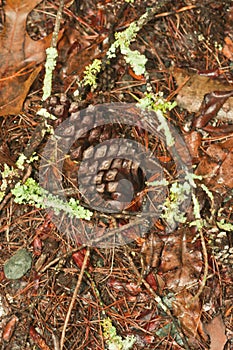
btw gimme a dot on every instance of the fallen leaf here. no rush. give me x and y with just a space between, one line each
9 329
37 246
216 332
79 256
216 167
151 251
228 48
192 93
210 106
19 56
150 278
37 339
188 312
193 142
181 260
14 90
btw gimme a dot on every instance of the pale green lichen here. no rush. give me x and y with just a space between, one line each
226 226
33 194
114 341
46 115
50 64
156 102
198 222
22 159
7 176
11 173
123 40
178 193
172 213
90 73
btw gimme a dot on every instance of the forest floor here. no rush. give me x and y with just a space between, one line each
171 285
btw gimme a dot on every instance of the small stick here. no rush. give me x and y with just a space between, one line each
80 277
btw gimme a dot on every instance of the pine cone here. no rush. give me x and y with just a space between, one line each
105 172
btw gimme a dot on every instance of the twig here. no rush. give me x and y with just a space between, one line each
80 277
200 225
205 272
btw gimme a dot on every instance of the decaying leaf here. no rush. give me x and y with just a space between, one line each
193 142
19 55
79 256
191 94
38 339
216 332
181 261
188 312
228 48
217 167
14 90
9 329
210 107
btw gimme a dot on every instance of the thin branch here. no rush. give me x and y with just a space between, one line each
80 277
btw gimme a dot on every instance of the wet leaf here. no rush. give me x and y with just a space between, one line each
153 281
193 142
37 246
78 257
210 106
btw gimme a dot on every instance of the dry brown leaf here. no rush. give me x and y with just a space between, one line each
217 166
77 53
188 312
228 48
191 95
181 261
14 90
38 339
19 55
9 329
216 332
193 142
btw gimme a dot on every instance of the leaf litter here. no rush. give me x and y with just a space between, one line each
185 62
